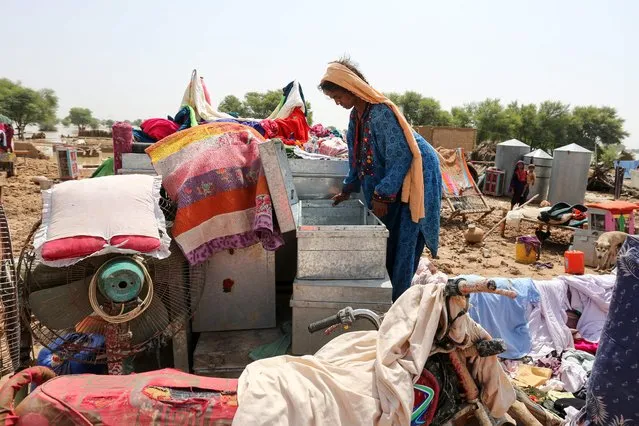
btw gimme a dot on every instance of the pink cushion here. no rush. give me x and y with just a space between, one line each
72 247
66 248
136 242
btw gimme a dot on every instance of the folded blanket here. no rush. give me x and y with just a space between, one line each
214 174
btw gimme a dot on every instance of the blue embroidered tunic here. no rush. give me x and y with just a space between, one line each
379 160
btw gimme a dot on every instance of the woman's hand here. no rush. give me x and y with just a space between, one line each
380 209
342 196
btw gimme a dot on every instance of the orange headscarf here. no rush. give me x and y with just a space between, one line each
413 187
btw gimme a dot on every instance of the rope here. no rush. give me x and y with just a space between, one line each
121 317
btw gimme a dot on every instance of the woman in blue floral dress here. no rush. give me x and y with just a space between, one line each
380 157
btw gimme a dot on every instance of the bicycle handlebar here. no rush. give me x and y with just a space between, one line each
458 287
324 323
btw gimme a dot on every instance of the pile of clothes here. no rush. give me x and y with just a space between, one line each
551 330
287 122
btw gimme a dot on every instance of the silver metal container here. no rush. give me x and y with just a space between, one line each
570 167
343 242
318 179
543 170
315 300
239 293
507 155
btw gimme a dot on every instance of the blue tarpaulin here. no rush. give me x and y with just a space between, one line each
628 165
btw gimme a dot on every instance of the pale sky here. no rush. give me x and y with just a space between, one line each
133 59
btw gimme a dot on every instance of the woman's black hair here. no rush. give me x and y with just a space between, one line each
348 63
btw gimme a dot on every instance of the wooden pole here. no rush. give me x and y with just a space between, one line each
504 218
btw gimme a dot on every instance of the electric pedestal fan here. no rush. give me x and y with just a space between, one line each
105 309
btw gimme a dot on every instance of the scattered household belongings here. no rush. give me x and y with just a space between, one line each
503 220
544 203
67 158
603 217
494 182
574 262
459 188
527 249
473 234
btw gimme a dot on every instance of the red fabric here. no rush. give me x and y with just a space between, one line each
136 399
159 128
82 246
291 129
586 346
206 91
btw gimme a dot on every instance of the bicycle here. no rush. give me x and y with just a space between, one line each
456 356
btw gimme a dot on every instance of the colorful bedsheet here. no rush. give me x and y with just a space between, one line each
214 174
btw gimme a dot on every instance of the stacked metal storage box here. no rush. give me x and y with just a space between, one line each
341 252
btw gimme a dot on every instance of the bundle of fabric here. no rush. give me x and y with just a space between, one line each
155 129
564 214
214 174
367 377
292 98
197 97
293 129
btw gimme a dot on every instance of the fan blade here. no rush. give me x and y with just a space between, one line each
62 307
153 320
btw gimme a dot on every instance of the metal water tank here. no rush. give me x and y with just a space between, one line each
507 155
569 176
543 171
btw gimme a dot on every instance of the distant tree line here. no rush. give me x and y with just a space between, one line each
548 125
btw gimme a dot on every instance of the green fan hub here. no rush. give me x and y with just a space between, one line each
121 280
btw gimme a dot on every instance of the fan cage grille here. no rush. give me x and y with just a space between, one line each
177 285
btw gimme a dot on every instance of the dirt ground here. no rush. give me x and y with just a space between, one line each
495 257
21 198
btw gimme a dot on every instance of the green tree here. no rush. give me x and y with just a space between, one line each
48 126
81 117
261 105
553 119
108 123
26 106
529 129
430 113
233 105
493 122
462 116
137 122
94 124
591 124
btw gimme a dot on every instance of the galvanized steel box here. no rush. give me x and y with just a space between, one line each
317 299
239 293
343 242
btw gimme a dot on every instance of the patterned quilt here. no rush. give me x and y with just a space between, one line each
214 174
